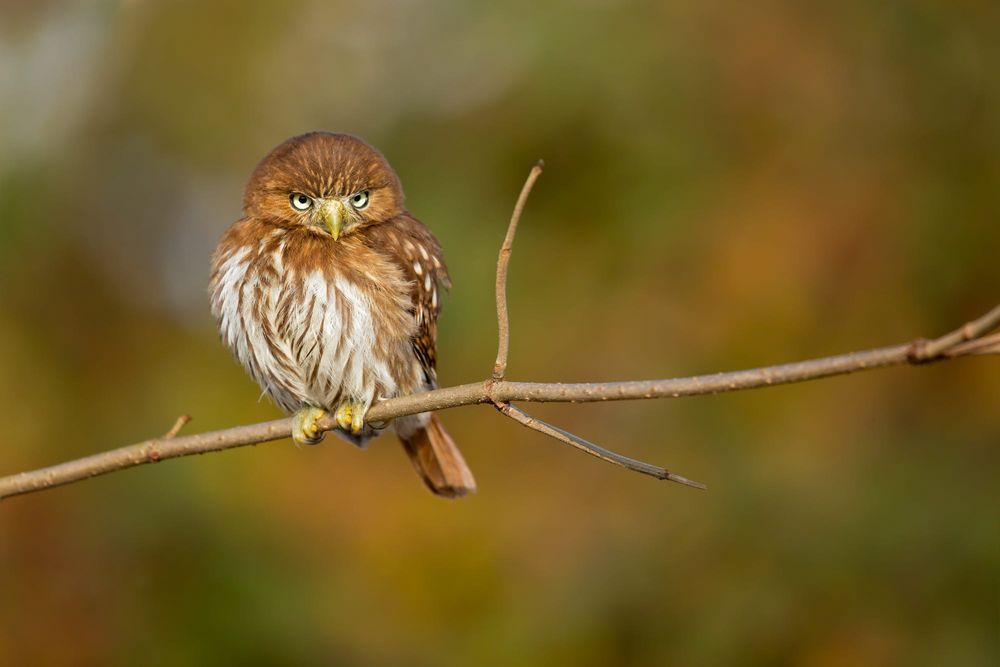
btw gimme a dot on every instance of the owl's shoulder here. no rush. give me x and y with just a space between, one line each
414 247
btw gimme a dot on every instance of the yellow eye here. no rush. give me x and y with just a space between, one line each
300 202
359 199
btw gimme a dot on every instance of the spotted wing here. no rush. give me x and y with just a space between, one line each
418 254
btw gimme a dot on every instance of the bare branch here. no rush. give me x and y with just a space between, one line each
522 417
503 325
969 339
152 451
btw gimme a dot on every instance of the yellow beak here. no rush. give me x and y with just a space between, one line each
333 216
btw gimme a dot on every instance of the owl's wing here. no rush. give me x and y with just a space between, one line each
418 254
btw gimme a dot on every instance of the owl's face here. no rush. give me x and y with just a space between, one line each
333 184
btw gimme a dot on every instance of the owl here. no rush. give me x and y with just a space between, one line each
328 290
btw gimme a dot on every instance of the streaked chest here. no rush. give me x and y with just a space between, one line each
312 322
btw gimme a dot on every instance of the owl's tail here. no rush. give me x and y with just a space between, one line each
438 461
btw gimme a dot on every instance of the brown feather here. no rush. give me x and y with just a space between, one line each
438 461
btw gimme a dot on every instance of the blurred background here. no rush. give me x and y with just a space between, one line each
728 185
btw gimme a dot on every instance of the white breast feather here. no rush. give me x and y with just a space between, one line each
344 359
225 301
362 339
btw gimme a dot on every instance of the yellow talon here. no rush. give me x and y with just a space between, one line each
305 425
343 417
350 417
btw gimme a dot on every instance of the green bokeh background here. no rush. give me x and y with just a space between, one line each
728 185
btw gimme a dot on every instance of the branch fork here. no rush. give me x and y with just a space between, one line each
503 348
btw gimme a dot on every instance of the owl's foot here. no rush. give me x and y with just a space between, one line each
305 425
350 417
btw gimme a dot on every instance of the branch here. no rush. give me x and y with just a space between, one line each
503 324
160 449
522 417
973 338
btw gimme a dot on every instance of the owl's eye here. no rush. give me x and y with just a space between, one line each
300 202
359 199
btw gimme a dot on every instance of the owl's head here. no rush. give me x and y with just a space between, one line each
332 183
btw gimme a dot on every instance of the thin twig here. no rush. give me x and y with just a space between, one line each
176 428
503 323
930 350
522 417
985 345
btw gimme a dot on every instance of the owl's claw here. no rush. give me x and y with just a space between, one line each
350 417
305 425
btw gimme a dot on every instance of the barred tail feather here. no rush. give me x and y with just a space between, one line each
438 461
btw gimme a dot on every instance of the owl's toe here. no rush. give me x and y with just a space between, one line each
305 425
343 416
350 417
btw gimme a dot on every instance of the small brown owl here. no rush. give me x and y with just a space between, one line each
327 291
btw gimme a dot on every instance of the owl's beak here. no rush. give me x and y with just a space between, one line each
333 216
